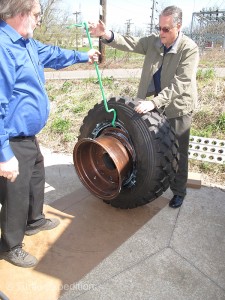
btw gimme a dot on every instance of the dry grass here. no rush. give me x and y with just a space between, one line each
70 102
213 58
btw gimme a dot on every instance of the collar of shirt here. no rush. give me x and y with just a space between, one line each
10 31
167 49
174 46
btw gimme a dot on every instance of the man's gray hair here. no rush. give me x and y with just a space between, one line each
11 8
175 11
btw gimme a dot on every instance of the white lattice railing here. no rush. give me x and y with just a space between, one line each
207 149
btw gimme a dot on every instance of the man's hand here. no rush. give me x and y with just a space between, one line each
93 55
10 169
144 106
99 29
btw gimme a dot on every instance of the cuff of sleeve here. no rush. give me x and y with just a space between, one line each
156 102
6 153
111 39
81 56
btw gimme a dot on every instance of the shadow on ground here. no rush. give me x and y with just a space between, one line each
89 232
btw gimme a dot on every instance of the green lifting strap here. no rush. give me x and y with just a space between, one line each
84 24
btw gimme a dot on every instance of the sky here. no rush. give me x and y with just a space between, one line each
138 12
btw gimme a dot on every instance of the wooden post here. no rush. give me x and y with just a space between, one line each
102 17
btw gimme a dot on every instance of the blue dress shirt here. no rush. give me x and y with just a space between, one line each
24 104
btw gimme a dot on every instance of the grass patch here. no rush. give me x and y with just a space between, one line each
60 125
205 74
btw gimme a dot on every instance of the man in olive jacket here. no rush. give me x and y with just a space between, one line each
168 80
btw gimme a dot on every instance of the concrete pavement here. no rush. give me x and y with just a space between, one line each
116 73
100 252
173 254
81 74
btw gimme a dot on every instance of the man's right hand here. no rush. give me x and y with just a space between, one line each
99 29
93 56
10 169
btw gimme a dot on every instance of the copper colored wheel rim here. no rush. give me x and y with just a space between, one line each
104 163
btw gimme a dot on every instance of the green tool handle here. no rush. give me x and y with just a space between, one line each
85 25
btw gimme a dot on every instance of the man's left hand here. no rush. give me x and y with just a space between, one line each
144 106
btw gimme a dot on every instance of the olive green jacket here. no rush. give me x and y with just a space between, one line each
178 76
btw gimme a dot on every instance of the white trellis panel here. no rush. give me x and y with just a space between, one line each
207 149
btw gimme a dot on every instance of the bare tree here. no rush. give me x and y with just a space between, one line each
54 24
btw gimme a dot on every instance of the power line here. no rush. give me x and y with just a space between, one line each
128 23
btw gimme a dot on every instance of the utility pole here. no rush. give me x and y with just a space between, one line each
128 26
102 17
152 23
76 13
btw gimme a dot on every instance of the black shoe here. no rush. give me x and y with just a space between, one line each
176 201
48 225
19 258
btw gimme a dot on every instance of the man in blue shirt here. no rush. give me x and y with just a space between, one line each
24 110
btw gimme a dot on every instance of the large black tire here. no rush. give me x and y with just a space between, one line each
155 148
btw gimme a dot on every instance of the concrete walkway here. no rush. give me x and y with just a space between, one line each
116 73
171 254
81 74
152 252
174 254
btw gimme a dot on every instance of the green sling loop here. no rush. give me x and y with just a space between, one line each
84 24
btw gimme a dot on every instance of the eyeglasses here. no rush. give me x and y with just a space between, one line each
164 29
38 16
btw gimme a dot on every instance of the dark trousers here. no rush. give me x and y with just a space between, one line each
22 201
182 127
